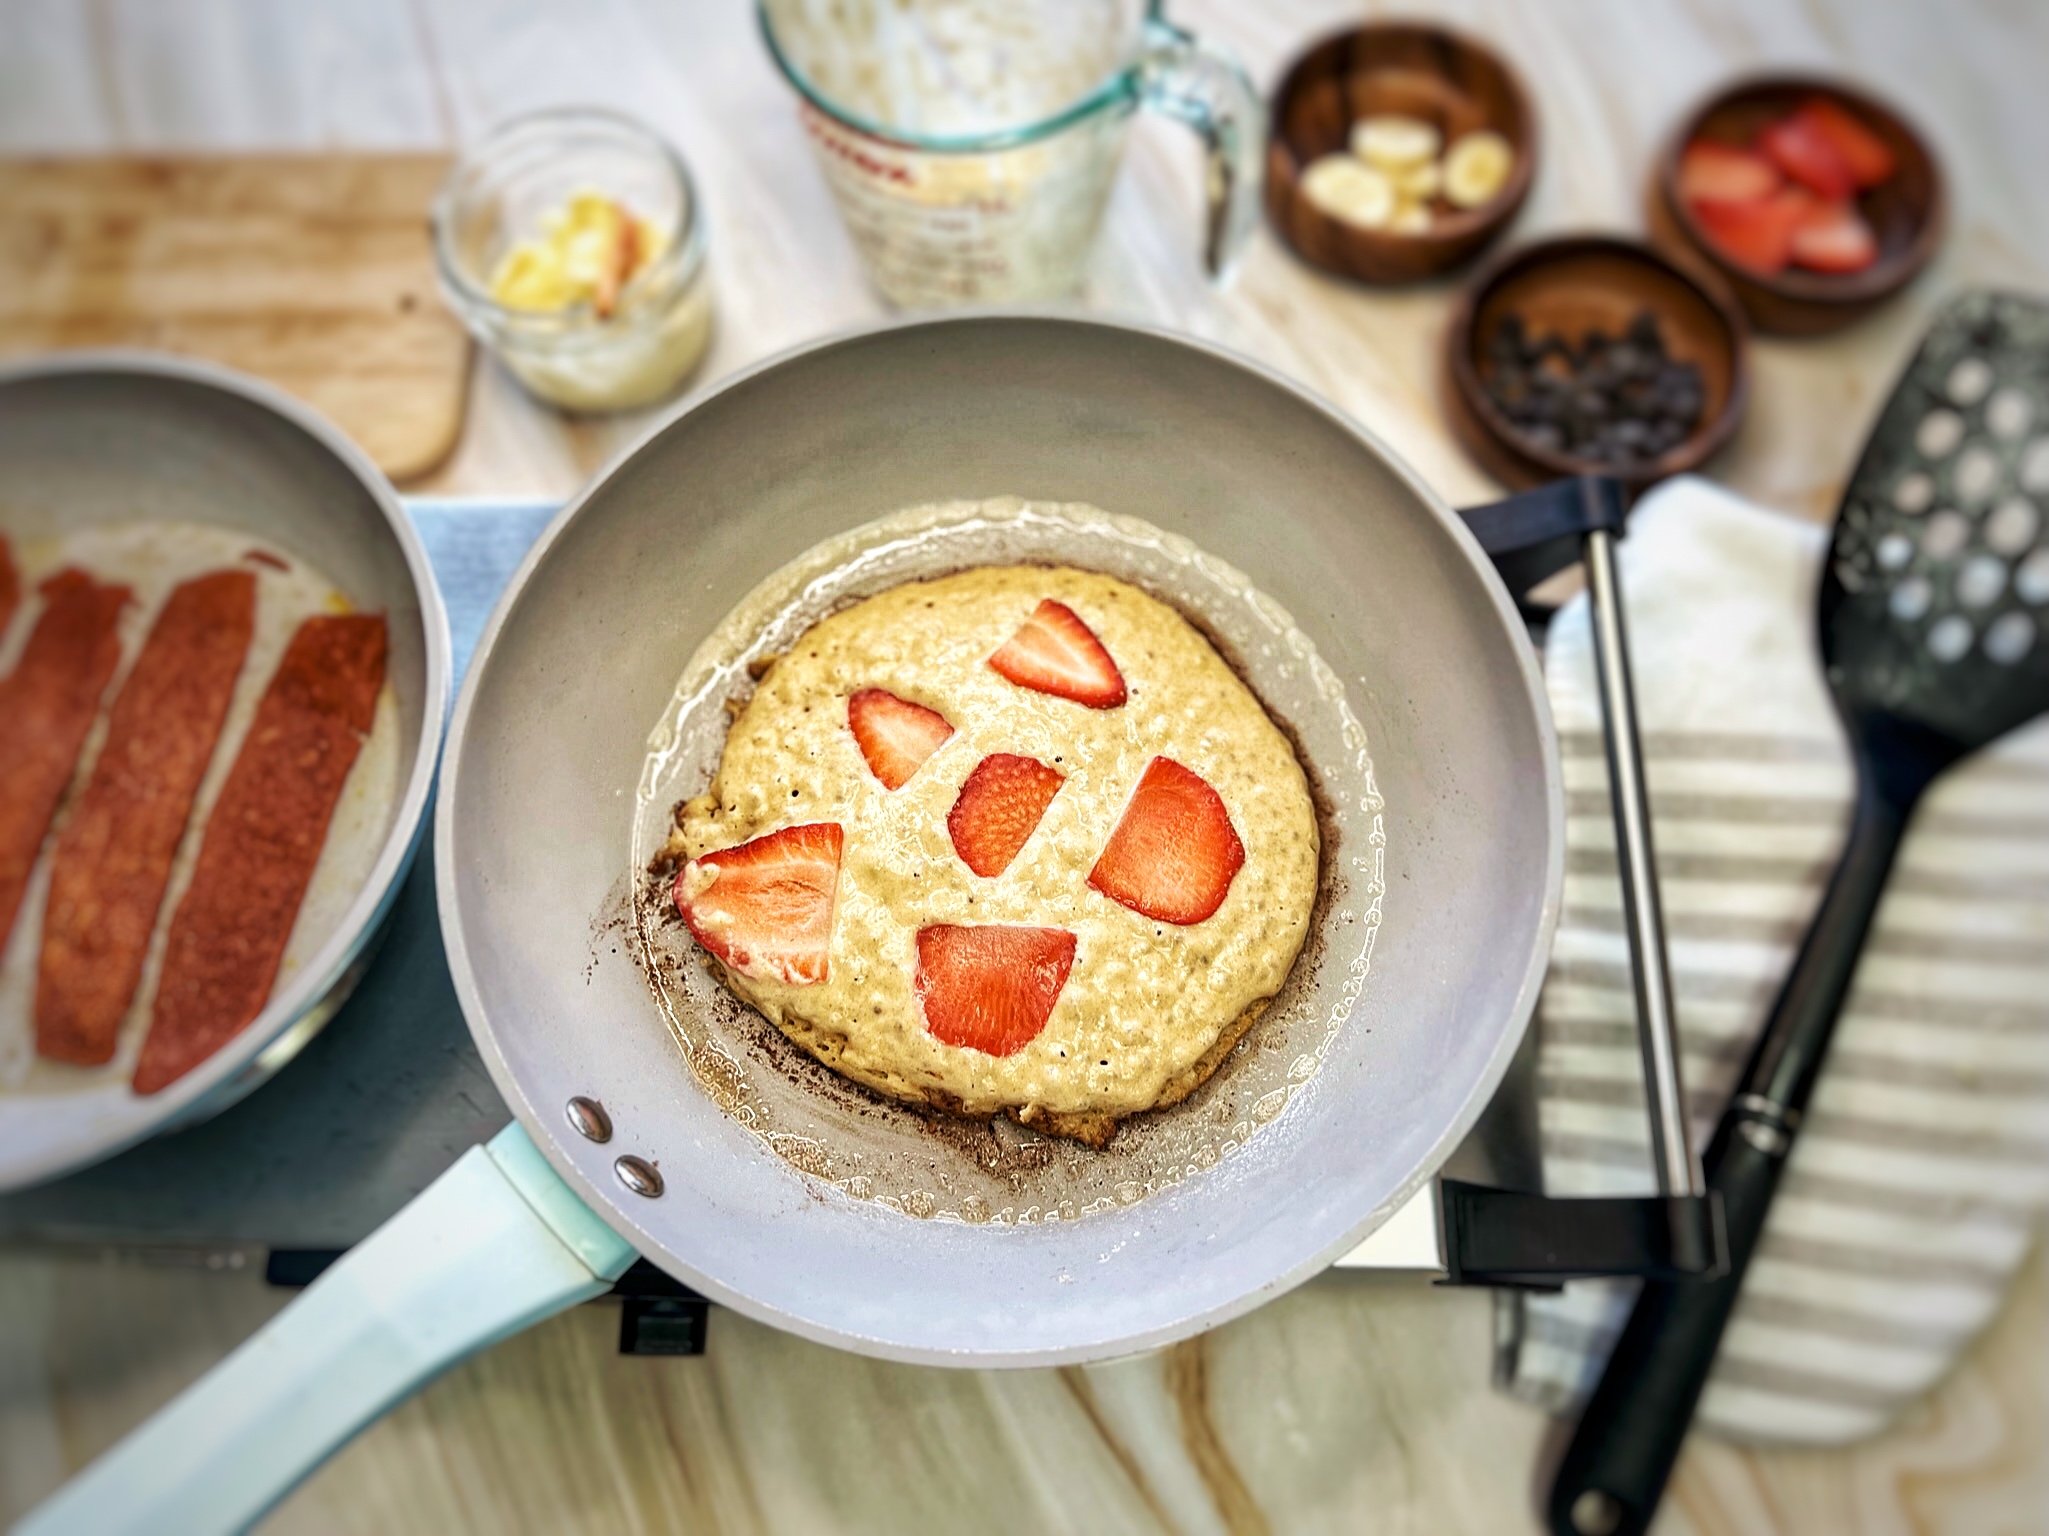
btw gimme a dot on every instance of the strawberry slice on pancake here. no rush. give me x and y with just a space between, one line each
1054 652
1175 852
991 988
765 907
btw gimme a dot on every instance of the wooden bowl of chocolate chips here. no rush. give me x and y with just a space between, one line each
1595 355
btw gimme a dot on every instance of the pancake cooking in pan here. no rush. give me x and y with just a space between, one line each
1014 840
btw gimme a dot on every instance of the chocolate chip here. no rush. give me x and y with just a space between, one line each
1508 343
1612 400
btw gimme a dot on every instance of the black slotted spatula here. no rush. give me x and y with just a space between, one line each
1934 629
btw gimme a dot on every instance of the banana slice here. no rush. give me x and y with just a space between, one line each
1410 219
1419 183
1345 189
1476 168
1395 143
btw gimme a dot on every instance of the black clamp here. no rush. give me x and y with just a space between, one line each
1540 532
1510 1237
659 1315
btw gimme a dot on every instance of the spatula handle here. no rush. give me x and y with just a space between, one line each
497 1243
1614 1471
1786 1060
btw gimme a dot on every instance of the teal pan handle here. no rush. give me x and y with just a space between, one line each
493 1246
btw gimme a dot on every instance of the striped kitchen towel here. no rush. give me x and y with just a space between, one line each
1914 1190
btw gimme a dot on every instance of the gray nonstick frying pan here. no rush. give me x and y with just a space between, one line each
1357 604
93 438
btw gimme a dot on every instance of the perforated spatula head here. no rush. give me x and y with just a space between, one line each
1934 607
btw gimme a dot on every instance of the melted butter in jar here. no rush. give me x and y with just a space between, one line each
571 244
589 250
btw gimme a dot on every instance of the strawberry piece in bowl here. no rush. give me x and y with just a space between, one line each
1869 157
895 736
1722 173
1054 652
1833 237
1174 853
999 808
1756 235
1807 154
765 907
992 987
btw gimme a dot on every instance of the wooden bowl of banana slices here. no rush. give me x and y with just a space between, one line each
1398 151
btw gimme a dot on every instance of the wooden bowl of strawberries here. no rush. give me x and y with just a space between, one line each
1815 201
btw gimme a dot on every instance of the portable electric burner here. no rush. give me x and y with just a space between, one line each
393 1091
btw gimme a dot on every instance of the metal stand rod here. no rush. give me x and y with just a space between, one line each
1672 1154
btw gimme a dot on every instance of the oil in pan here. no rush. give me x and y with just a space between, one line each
926 1163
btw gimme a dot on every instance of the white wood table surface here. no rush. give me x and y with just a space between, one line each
1355 1403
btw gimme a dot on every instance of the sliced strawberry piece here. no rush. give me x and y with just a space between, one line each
1756 235
999 808
894 735
1809 156
1834 238
1054 652
765 907
1869 157
991 988
1175 852
1722 173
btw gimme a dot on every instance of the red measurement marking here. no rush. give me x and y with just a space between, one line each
835 139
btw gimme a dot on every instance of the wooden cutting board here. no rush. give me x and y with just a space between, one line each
313 271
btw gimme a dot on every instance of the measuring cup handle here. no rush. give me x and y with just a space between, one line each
1197 83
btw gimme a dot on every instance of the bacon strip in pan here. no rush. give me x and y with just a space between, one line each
10 584
47 704
262 840
114 855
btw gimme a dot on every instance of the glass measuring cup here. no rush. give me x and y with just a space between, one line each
971 144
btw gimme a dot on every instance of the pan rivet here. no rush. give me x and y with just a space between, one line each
1596 1513
639 1175
587 1118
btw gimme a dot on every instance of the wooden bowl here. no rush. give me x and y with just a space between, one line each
1419 71
1566 287
1906 213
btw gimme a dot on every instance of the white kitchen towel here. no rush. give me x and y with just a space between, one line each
1913 1191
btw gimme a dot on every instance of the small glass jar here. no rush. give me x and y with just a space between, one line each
505 189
